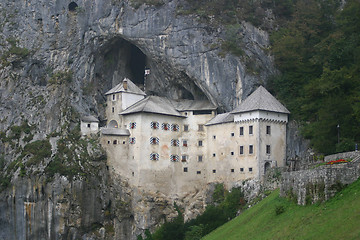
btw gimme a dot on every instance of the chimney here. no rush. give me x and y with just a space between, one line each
125 84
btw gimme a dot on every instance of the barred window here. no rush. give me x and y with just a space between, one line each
132 140
132 125
175 127
154 140
154 125
165 126
268 130
154 156
175 142
174 158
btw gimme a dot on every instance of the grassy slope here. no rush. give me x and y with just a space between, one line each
339 218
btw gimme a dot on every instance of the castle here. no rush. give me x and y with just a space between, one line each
176 146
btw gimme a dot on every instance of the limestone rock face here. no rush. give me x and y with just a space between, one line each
58 58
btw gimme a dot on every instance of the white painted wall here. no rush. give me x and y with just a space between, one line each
86 129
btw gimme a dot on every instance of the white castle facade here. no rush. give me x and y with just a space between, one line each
176 147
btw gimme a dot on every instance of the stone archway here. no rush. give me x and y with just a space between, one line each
267 167
113 124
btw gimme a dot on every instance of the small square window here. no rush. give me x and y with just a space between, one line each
232 170
232 134
198 172
241 169
88 125
186 128
214 170
232 153
115 142
124 142
250 130
214 155
241 131
201 127
183 158
113 109
251 149
200 143
214 137
268 130
108 142
185 143
200 158
250 169
185 169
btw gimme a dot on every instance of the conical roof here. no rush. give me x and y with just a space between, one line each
132 88
260 99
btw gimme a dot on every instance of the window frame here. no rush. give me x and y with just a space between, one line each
251 130
241 131
251 149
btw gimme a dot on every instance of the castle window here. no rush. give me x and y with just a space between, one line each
175 142
115 142
132 140
184 158
198 172
200 143
175 127
232 134
232 170
88 125
241 131
186 128
113 97
232 153
108 142
268 130
250 169
214 137
185 143
241 150
185 169
250 130
124 142
251 149
154 125
154 156
214 154
132 125
268 149
165 126
174 158
214 170
201 127
113 109
154 140
241 169
200 158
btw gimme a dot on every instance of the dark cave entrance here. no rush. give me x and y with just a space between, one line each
72 6
137 63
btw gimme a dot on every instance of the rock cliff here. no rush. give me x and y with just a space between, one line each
57 60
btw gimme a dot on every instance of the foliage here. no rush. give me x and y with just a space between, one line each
14 50
61 77
227 205
279 209
317 51
137 3
318 221
39 150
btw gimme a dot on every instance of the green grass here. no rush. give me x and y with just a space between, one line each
338 218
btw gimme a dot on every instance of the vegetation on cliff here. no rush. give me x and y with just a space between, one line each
280 218
317 51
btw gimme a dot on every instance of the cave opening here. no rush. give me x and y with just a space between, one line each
137 63
72 6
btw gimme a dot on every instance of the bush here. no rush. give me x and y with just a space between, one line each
279 209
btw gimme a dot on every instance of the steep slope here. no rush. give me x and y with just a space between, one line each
278 218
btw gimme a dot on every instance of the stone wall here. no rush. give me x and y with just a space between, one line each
319 184
344 155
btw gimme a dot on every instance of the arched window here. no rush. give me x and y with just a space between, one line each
175 142
165 126
154 140
174 158
154 156
154 125
175 127
72 6
113 124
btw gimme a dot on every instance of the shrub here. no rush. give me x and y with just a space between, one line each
279 209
